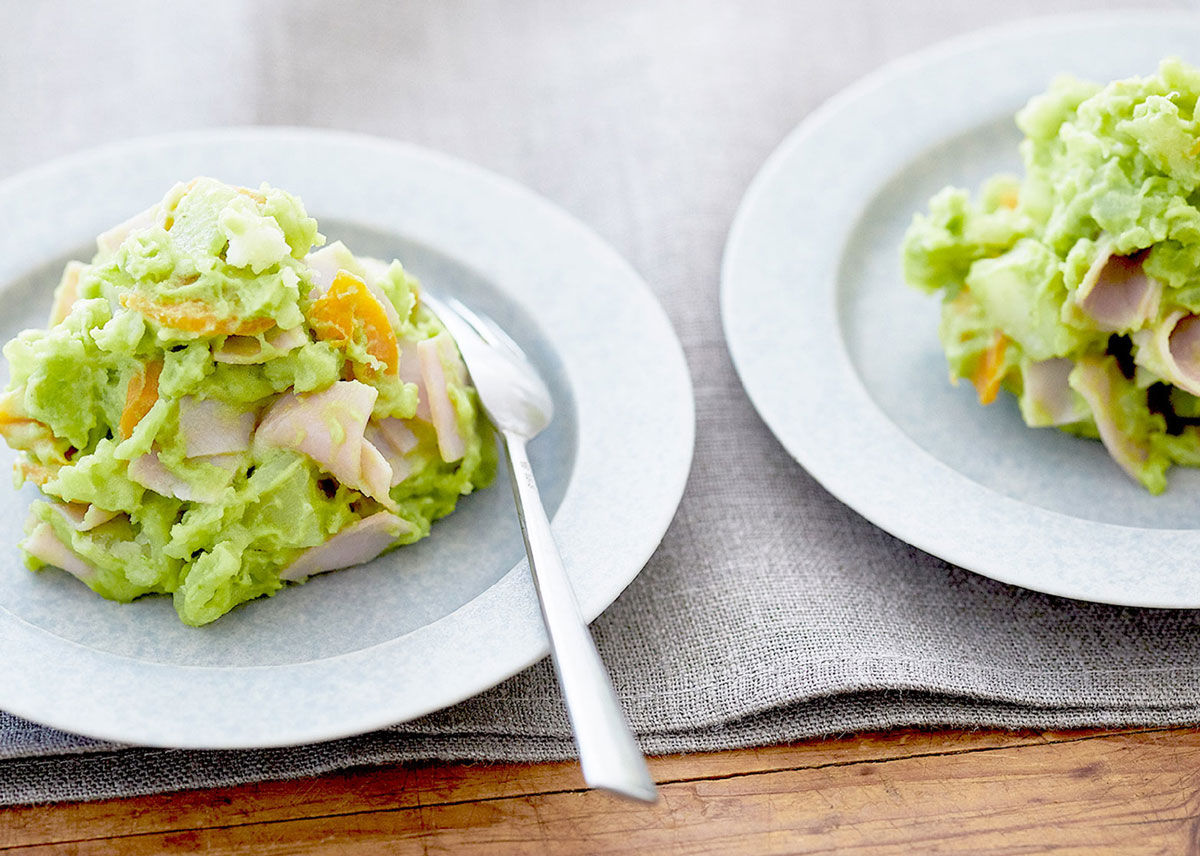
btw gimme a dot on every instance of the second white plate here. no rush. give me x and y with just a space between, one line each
842 359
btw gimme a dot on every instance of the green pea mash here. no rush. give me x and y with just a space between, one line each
218 408
1077 287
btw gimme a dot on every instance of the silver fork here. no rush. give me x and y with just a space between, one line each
519 406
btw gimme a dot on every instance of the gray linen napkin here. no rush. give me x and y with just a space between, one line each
771 611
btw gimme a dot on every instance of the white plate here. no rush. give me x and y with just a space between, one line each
430 624
842 360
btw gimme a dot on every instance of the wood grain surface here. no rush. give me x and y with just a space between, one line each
1132 791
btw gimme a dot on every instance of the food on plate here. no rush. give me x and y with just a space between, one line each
217 409
1077 287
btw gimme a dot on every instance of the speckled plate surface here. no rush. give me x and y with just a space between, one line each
427 625
842 359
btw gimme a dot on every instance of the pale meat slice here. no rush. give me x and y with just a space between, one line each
377 437
148 471
248 350
439 356
83 516
67 292
358 543
401 469
240 351
109 241
284 341
1048 398
379 474
409 371
1095 379
1117 294
227 461
1183 348
213 427
325 263
328 427
1174 350
44 545
398 434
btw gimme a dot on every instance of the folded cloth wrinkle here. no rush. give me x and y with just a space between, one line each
771 612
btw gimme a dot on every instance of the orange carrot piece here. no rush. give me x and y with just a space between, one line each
332 315
140 396
31 472
194 316
253 194
348 300
990 372
25 433
12 410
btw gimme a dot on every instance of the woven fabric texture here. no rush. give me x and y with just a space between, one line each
771 611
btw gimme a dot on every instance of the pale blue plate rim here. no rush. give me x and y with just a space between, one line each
636 429
779 308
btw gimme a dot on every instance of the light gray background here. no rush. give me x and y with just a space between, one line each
770 611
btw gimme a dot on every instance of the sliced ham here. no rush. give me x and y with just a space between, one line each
1095 378
1047 398
44 545
148 471
240 351
109 241
360 542
377 437
377 471
439 357
1172 350
410 372
1183 347
375 269
283 341
410 364
83 516
228 461
1117 294
401 468
247 350
67 292
212 427
325 263
399 436
328 427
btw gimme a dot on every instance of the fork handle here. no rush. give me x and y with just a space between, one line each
607 752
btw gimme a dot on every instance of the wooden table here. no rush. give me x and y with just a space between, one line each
905 792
